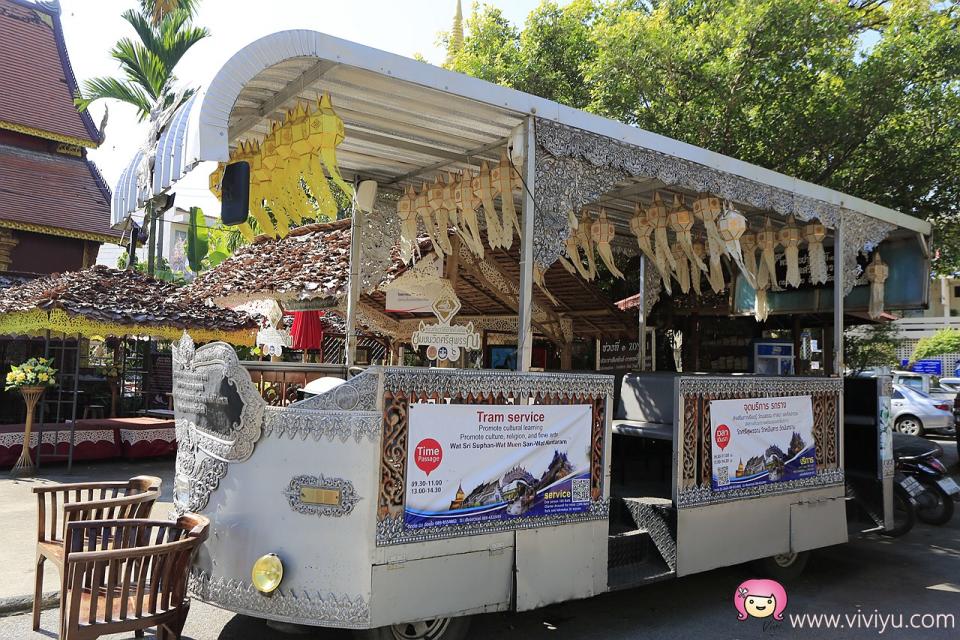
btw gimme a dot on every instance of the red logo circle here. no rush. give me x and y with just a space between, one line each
722 436
427 455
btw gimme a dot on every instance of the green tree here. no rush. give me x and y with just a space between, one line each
870 346
943 342
164 34
861 96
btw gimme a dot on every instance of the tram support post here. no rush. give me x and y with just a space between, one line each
642 315
353 289
525 311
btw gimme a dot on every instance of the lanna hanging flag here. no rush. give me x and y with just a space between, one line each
789 237
814 233
877 273
602 234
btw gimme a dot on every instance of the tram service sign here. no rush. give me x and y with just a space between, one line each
758 441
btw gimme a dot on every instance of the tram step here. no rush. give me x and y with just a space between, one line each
633 560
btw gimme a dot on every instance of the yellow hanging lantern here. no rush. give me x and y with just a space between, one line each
641 228
572 244
815 233
306 151
789 237
326 134
877 273
602 234
658 218
505 183
585 242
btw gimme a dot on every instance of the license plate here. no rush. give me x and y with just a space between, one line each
913 487
949 485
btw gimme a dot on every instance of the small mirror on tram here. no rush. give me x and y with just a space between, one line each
235 193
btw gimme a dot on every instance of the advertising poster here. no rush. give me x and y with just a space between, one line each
480 463
761 441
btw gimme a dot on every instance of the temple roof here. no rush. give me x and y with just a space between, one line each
53 193
102 300
38 85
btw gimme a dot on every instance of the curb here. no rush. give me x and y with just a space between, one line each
13 605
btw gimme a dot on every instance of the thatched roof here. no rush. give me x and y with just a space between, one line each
102 300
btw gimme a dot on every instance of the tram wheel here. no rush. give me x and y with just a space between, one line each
782 567
435 629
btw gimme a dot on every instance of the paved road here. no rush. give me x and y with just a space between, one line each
917 574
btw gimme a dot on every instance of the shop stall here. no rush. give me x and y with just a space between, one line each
426 494
122 312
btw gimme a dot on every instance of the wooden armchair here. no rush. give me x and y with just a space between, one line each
59 505
123 575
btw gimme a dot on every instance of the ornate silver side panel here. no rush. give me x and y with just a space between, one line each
347 496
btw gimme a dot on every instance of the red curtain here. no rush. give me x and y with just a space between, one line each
307 331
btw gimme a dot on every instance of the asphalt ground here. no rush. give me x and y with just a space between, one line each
871 584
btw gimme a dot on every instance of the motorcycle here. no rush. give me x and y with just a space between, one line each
918 459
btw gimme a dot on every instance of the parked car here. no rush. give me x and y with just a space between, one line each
925 383
951 384
915 413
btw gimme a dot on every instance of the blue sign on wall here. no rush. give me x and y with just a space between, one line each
926 366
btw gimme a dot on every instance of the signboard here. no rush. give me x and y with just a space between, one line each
487 463
759 441
274 341
618 354
399 300
930 365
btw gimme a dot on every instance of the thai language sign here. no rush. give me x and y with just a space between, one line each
759 441
481 463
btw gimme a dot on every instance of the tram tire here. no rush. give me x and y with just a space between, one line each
453 629
781 568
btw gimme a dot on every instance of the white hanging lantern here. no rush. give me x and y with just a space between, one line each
814 233
642 229
681 221
602 234
767 271
789 237
657 216
731 226
877 273
683 266
696 274
408 225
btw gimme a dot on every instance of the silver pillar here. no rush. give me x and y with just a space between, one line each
353 290
641 313
525 310
838 275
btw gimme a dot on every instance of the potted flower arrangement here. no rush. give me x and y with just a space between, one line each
31 378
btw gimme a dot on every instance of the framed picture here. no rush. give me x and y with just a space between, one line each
505 357
363 356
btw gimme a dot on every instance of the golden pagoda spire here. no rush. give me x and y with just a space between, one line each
455 43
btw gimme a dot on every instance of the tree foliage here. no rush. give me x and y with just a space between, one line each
870 346
861 96
943 342
164 34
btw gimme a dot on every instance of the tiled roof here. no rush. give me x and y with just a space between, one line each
53 190
37 82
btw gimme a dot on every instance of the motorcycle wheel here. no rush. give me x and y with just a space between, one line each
942 510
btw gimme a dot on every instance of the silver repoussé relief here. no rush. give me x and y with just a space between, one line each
357 394
461 382
331 610
340 426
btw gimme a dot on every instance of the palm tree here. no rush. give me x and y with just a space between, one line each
164 34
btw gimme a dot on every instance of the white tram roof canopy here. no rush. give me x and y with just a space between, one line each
404 121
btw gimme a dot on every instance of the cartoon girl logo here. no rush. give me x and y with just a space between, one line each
760 599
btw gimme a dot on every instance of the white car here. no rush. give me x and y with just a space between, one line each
914 412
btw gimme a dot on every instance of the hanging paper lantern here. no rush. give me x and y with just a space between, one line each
642 229
505 181
467 203
748 246
572 244
789 237
585 242
731 226
496 235
681 221
683 266
814 233
440 215
408 225
708 209
327 132
305 147
422 207
877 273
658 217
767 271
696 274
602 234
